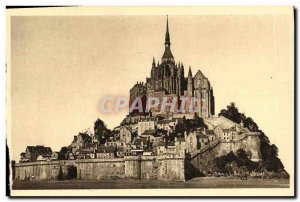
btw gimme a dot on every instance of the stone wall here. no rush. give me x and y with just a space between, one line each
165 167
149 167
141 167
43 170
96 169
171 167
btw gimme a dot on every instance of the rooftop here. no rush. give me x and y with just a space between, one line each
106 149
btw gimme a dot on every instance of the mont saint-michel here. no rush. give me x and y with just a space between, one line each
177 138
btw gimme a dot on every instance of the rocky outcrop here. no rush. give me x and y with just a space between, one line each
204 160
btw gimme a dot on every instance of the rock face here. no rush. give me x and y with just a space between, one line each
204 161
250 143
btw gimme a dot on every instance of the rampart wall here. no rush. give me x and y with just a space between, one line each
44 170
165 167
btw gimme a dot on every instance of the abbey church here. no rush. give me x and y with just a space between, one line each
167 79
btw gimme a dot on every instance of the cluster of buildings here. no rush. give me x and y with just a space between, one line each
145 136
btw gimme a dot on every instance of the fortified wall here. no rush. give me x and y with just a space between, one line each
163 167
44 170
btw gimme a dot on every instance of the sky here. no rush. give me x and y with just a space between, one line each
61 66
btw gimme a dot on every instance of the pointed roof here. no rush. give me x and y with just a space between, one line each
167 54
200 75
167 37
153 63
190 72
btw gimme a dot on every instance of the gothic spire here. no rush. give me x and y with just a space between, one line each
153 63
168 56
167 38
190 72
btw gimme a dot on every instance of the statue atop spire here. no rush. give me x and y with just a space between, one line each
167 38
168 56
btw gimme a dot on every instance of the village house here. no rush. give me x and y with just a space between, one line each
44 157
33 152
140 143
114 144
180 145
218 130
191 139
85 153
203 140
80 141
23 157
163 124
137 152
147 152
54 156
133 118
177 147
175 121
127 149
153 136
168 124
106 152
164 148
211 135
146 124
125 134
228 134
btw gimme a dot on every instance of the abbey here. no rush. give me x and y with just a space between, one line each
167 80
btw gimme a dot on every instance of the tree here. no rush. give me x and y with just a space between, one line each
102 133
189 124
232 113
269 154
250 124
99 126
222 161
240 159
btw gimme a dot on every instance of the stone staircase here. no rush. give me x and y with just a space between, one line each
212 145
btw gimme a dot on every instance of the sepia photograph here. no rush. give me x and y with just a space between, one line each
151 101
